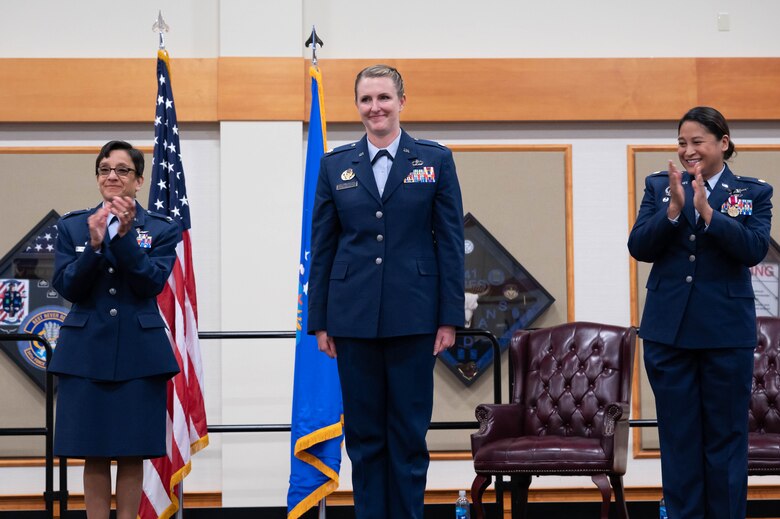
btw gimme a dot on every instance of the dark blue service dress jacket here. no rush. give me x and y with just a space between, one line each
391 265
699 292
114 331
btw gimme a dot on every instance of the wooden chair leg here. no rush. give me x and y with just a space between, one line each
477 489
620 498
602 481
520 484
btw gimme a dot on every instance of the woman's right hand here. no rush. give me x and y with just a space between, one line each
97 227
676 193
325 343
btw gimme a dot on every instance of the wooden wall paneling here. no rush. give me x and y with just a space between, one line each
741 88
268 89
102 90
439 90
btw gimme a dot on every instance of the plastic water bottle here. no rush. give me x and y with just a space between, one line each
462 507
662 510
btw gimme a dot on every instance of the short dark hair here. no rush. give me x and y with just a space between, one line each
715 123
136 155
382 71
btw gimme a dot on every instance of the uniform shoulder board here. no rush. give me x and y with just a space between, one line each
345 147
158 215
73 213
435 144
752 180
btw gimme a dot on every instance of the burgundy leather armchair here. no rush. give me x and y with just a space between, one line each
764 414
571 390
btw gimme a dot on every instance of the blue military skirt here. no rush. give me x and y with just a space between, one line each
110 419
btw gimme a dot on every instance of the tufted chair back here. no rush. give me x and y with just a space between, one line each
764 413
568 415
565 376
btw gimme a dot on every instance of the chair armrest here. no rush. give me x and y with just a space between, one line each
614 440
613 413
496 421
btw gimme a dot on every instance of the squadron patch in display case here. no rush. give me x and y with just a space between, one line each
30 303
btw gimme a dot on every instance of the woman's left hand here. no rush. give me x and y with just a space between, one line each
700 195
445 338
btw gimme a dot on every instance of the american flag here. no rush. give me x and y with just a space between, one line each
42 242
187 432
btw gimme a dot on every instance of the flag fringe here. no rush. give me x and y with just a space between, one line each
176 478
312 499
320 435
199 445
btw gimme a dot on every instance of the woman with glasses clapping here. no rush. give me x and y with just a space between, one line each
113 356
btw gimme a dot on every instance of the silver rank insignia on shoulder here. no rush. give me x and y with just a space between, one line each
348 174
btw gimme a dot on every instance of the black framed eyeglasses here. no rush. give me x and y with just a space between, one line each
122 171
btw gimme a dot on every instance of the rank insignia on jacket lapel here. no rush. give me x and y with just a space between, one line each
143 239
348 174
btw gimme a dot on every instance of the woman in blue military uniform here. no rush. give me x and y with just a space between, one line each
702 229
386 291
113 356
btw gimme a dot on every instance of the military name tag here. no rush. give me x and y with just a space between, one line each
346 185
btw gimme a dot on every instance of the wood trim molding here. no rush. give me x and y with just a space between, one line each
76 501
568 201
439 496
637 451
440 90
557 495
